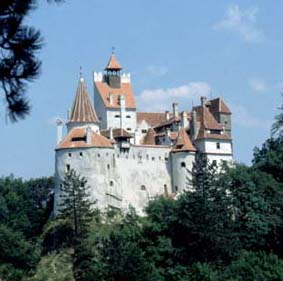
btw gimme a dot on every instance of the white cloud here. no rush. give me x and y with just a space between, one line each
243 118
243 22
257 85
161 99
157 70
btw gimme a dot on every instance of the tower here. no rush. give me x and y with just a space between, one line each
82 113
114 98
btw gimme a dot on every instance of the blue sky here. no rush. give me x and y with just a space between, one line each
174 50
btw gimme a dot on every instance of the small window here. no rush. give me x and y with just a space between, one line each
128 116
108 166
176 188
147 157
153 158
81 154
144 131
111 183
106 153
68 167
117 116
214 162
143 187
129 129
183 164
98 155
159 157
218 145
70 154
166 159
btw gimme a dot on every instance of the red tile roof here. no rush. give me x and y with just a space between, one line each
125 89
82 110
117 133
76 138
204 135
151 118
218 105
183 142
206 119
150 137
113 64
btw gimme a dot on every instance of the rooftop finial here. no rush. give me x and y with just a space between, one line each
81 74
113 50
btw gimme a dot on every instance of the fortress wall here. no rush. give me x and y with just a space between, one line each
182 162
145 172
93 164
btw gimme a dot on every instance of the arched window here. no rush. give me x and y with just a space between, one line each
183 164
143 187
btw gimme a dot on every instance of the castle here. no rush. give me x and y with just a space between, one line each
130 157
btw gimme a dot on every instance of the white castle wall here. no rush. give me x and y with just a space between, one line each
100 109
118 179
92 164
209 146
181 163
128 119
94 127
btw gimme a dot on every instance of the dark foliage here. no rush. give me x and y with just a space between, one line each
19 64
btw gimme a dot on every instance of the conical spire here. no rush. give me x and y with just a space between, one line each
150 137
183 142
113 63
82 110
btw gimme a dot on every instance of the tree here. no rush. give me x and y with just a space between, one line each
256 202
203 231
19 45
252 266
277 127
76 204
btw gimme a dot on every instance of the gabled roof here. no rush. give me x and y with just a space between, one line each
82 110
168 122
117 133
151 118
113 63
202 134
218 105
150 137
183 142
125 89
76 138
206 119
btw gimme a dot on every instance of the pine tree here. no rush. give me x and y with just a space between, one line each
19 45
76 203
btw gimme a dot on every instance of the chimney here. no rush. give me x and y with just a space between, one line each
122 110
167 115
203 100
168 132
184 119
175 109
88 135
122 101
111 133
194 124
111 98
59 124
